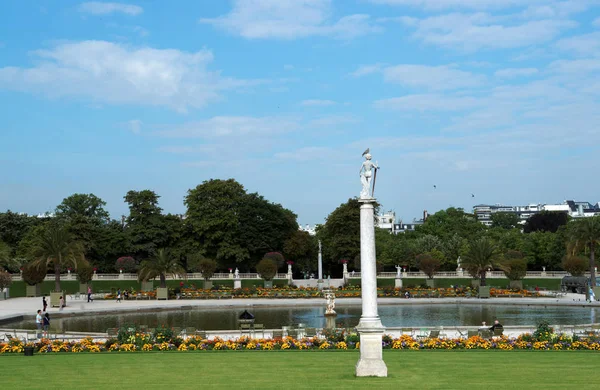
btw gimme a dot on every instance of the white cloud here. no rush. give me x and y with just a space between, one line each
288 67
482 31
596 22
290 19
510 73
317 103
575 67
428 102
135 126
431 77
310 153
587 44
366 69
118 74
443 4
232 126
100 8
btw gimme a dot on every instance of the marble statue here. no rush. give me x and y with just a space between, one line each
236 274
398 269
366 172
329 309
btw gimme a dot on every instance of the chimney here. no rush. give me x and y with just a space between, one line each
580 211
425 215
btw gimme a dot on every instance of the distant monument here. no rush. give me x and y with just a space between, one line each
369 327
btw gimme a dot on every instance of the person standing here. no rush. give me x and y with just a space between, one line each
90 294
44 303
61 302
39 323
46 320
119 295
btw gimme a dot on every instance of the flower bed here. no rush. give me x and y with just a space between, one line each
334 340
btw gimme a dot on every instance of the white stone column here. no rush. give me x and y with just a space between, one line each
369 328
320 269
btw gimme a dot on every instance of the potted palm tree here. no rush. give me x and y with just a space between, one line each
160 265
585 235
33 276
514 267
56 248
267 269
481 257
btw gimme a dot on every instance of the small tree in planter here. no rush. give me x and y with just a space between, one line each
514 267
575 265
126 263
160 265
277 258
33 275
5 282
267 268
208 268
85 274
429 265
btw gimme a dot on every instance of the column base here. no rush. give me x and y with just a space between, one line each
371 356
237 283
320 284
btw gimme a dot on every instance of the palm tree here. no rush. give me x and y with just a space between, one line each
161 264
482 255
585 233
56 247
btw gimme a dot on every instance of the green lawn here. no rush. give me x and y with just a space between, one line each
305 369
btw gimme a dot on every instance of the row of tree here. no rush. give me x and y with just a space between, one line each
235 229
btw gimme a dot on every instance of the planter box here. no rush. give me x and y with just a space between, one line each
28 351
55 298
484 292
268 284
597 292
208 284
475 283
148 286
162 293
83 288
430 283
4 294
516 285
33 291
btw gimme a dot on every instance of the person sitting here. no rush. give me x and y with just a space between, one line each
497 325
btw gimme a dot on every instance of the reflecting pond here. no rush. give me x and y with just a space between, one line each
348 316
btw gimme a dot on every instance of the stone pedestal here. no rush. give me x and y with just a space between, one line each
398 283
330 321
237 283
369 327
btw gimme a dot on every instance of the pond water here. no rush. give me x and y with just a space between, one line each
348 316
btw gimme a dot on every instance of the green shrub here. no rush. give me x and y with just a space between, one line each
267 268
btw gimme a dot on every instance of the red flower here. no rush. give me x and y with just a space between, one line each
290 262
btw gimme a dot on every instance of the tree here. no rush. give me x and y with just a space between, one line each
5 280
452 248
446 223
543 249
514 265
33 274
585 234
145 224
84 206
161 264
428 264
267 268
14 226
481 256
276 257
575 265
125 263
505 220
301 248
85 273
55 247
546 221
207 267
340 235
234 227
5 258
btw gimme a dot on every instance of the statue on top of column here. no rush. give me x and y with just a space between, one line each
367 171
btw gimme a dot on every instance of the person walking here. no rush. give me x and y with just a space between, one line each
61 302
119 295
46 321
44 303
90 294
39 324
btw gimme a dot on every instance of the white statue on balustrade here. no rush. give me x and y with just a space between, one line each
236 274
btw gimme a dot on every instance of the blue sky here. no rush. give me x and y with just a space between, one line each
497 98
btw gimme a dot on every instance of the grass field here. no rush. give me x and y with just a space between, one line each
293 369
